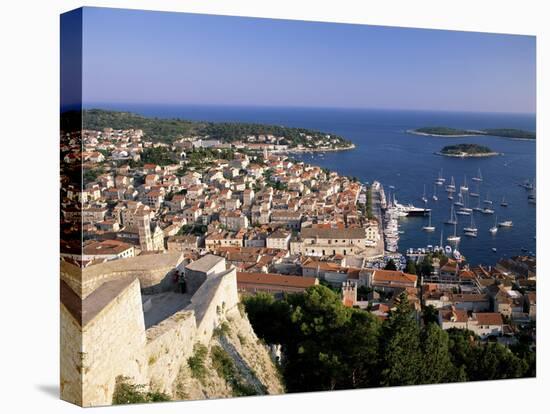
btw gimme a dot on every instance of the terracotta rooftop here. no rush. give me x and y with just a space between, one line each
331 233
454 315
393 276
273 279
488 318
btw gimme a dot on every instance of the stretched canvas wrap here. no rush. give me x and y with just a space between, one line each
255 206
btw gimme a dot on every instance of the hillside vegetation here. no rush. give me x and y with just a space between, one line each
328 346
168 130
235 363
468 149
497 132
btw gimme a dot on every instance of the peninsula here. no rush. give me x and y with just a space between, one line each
467 150
252 135
447 132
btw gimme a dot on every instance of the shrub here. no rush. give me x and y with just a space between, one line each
196 362
241 308
242 339
222 330
224 366
128 393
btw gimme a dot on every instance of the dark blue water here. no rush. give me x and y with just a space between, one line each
385 152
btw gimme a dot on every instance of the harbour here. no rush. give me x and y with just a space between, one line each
404 163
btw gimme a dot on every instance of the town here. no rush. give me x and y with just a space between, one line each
283 225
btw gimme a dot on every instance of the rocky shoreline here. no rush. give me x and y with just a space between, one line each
414 132
306 150
466 155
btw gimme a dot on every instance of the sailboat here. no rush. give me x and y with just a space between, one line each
452 218
504 203
471 230
478 208
451 187
466 208
479 177
507 223
460 202
454 237
476 193
528 185
429 227
494 229
487 200
464 187
532 196
434 196
424 199
440 180
450 195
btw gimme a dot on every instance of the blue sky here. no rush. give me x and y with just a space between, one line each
172 58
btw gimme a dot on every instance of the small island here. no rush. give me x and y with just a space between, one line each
467 150
439 131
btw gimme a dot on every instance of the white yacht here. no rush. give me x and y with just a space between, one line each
440 180
464 187
451 187
494 229
429 227
454 237
472 228
424 199
476 193
507 223
478 208
460 202
452 218
479 177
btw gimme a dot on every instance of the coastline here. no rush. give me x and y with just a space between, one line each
306 150
481 134
466 155
413 132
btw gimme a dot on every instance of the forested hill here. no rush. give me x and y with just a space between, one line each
168 130
455 132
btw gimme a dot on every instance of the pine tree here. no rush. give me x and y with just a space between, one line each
411 267
437 366
400 348
390 265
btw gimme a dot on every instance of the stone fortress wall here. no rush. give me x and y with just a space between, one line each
106 336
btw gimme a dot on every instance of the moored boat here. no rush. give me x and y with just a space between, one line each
479 177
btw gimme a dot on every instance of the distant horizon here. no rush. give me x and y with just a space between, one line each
105 106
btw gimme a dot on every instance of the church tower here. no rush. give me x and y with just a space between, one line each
349 294
144 231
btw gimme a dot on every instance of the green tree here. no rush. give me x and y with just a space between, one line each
390 265
430 315
269 317
410 267
436 363
127 393
426 267
361 344
401 356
